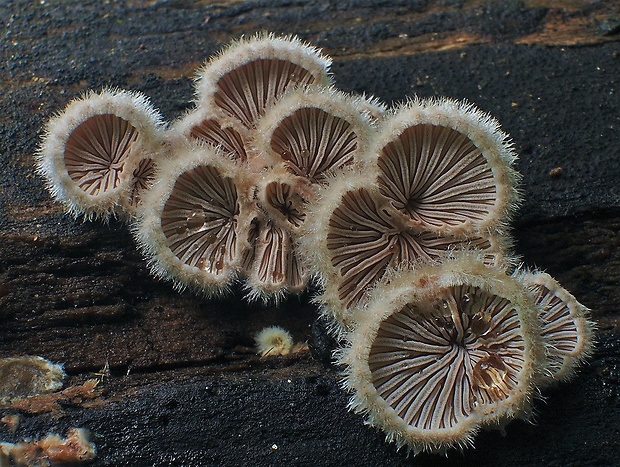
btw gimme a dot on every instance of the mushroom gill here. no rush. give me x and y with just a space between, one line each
313 142
199 219
250 75
91 150
446 165
437 176
451 348
314 132
565 326
229 139
97 150
246 91
276 267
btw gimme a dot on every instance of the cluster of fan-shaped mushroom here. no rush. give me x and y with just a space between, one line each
401 215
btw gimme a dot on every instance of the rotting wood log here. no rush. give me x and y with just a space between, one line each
185 386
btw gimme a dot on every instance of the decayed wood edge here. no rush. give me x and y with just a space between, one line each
297 415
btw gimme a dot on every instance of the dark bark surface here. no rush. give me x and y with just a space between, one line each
186 387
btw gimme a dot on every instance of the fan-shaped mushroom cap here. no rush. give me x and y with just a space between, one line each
566 329
90 152
247 77
352 235
442 350
447 165
194 218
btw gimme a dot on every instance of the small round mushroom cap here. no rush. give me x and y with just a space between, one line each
441 351
282 196
90 152
314 132
191 224
246 78
566 329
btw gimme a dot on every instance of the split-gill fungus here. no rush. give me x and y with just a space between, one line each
303 139
402 216
441 351
97 155
438 177
252 84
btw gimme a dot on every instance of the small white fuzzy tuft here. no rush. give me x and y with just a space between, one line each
274 340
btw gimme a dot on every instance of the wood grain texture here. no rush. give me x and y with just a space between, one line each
186 387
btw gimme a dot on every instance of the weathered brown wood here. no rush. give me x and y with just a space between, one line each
186 387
